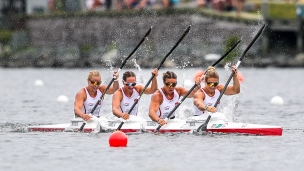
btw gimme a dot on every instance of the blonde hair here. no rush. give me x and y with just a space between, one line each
211 73
93 73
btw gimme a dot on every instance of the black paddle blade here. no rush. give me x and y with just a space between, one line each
227 53
133 51
253 41
176 44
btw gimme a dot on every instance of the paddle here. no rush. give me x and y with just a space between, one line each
203 127
123 63
193 87
161 63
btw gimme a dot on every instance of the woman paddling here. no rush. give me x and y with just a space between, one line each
165 98
124 98
88 96
205 98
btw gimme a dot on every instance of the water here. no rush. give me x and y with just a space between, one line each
23 103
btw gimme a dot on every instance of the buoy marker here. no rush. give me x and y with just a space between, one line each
118 139
277 100
62 99
38 83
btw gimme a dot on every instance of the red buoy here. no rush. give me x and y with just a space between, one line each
118 139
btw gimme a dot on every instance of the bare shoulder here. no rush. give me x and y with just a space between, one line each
139 87
117 92
81 94
156 98
180 89
102 87
220 87
157 95
199 93
117 95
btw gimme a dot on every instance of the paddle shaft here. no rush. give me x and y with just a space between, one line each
203 127
112 80
153 75
193 87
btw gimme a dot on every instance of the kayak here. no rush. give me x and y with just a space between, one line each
217 124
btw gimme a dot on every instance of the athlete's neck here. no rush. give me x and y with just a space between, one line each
92 92
169 95
128 92
209 93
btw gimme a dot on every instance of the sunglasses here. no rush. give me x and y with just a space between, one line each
171 84
130 84
95 82
211 84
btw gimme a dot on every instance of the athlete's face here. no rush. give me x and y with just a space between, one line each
94 82
211 84
170 84
130 83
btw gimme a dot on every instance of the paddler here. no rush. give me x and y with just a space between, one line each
205 98
164 99
124 98
88 96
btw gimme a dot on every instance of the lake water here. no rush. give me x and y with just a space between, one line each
23 104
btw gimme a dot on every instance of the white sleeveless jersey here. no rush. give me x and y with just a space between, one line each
127 102
210 101
168 105
90 103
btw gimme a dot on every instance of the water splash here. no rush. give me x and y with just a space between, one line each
140 80
261 21
139 75
231 102
184 112
185 64
13 127
183 67
110 69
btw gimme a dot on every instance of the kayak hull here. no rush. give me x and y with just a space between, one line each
217 124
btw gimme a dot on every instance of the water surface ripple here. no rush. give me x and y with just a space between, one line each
23 104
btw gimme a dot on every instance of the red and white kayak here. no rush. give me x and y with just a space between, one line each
217 124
